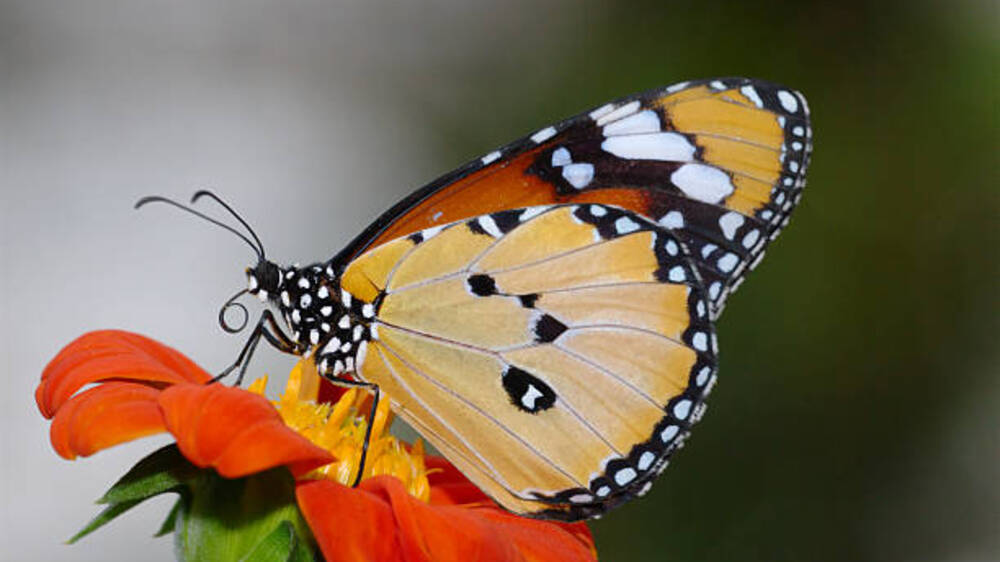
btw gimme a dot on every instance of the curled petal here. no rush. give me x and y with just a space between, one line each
111 355
104 416
410 530
234 431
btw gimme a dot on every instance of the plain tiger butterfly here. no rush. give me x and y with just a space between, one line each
544 315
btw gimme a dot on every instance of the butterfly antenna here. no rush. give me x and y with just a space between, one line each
231 303
259 250
206 193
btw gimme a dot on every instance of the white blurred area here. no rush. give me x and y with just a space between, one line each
309 117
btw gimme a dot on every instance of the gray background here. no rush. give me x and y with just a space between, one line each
857 412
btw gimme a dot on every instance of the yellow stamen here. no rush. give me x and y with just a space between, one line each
340 428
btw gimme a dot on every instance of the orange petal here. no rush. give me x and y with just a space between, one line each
538 540
104 416
350 524
111 354
234 431
380 521
441 532
450 487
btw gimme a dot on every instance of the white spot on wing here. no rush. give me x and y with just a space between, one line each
702 377
669 147
491 157
490 226
532 212
561 157
728 262
671 247
701 182
751 93
623 111
431 232
643 122
672 220
676 274
729 223
669 433
579 175
677 87
543 135
788 101
624 225
714 289
646 460
624 476
530 396
751 238
700 341
682 409
601 111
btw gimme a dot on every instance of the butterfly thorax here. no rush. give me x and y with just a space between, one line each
323 321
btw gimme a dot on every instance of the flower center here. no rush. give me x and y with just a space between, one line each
340 429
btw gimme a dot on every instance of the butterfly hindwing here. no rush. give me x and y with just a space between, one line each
557 354
721 162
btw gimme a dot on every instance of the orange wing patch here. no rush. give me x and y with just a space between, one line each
683 156
560 364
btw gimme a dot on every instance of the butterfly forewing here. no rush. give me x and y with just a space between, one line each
557 354
721 162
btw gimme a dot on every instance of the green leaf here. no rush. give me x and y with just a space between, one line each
170 523
282 544
164 470
233 519
103 518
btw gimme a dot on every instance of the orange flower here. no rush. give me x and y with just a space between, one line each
407 507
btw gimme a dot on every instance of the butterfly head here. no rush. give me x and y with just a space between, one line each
264 280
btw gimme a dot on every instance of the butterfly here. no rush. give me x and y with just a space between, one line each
544 315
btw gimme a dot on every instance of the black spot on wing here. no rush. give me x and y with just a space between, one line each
548 329
482 285
526 391
528 301
507 220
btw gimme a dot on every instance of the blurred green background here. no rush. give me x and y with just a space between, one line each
856 415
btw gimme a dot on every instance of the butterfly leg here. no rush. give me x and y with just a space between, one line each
267 328
376 394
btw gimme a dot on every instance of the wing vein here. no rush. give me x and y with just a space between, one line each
444 388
